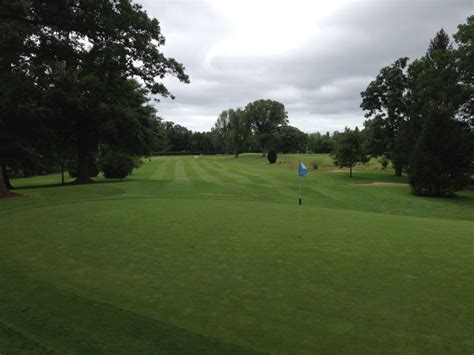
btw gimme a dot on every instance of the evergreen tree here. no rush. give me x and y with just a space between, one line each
465 64
440 163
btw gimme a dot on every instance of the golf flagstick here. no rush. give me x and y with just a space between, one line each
299 206
302 171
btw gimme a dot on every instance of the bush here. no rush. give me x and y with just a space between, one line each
314 164
72 168
118 165
272 157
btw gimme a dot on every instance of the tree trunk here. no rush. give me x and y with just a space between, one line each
398 170
3 188
62 172
83 152
6 178
350 172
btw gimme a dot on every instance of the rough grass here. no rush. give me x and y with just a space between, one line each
202 255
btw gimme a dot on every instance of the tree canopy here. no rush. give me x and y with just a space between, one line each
84 54
265 117
349 149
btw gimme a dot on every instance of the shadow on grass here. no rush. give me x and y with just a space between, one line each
68 184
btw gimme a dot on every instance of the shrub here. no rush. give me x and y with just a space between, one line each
272 157
314 164
118 165
93 168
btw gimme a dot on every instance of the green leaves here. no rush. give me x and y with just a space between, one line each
349 149
82 55
265 116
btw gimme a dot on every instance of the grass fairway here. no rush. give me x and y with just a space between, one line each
202 255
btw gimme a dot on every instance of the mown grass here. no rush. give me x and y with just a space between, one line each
202 255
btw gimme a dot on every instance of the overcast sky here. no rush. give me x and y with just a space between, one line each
313 56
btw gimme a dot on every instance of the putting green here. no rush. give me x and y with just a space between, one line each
203 255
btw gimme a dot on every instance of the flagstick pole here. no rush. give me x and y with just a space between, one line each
299 207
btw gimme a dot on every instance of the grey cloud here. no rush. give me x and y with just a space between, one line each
319 82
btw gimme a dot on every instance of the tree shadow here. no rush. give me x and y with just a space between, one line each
67 184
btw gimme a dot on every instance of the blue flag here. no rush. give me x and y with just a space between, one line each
302 170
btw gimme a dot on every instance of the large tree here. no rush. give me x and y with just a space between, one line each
85 47
266 117
465 63
386 104
440 163
20 126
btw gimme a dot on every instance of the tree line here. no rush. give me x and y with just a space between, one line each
235 132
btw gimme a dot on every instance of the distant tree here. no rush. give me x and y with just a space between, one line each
207 144
265 117
252 143
202 142
222 131
349 149
161 139
178 137
320 143
239 130
291 140
386 105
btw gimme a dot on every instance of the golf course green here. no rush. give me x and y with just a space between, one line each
201 254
